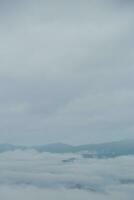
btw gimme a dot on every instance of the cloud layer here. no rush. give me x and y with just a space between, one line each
31 175
66 71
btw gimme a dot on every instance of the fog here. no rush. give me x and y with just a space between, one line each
32 175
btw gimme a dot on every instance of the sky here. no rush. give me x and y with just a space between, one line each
66 71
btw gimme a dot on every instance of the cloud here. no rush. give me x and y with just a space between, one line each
37 193
57 55
31 175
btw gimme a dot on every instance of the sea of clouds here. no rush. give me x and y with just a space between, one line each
31 175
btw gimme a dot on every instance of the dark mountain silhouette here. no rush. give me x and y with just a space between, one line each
110 149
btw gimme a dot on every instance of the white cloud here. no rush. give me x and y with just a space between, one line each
31 175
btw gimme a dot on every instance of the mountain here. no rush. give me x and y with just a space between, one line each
103 150
111 149
54 148
10 147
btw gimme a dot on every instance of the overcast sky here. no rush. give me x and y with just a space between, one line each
66 71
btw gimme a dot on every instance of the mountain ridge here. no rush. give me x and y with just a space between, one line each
107 149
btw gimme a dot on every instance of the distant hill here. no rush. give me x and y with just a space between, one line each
110 149
55 148
10 147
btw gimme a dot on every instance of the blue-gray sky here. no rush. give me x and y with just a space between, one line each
66 71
